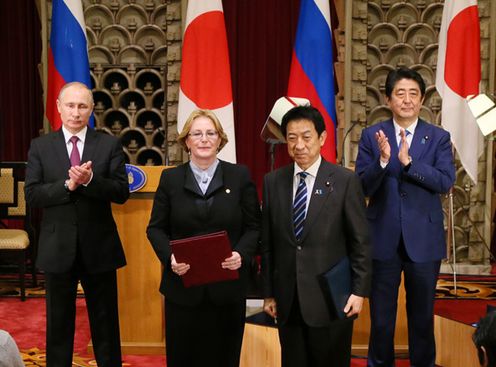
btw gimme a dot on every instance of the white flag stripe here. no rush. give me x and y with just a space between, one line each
198 7
76 8
456 116
467 139
325 9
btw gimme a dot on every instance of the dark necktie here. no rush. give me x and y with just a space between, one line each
300 206
75 158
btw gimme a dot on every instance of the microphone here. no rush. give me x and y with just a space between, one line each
344 140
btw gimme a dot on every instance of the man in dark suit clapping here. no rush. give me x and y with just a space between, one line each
313 215
74 174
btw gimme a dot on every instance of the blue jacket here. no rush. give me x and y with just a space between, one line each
406 200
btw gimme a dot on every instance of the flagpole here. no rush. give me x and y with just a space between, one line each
165 124
451 233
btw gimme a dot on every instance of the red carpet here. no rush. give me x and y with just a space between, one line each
25 321
461 310
472 278
362 362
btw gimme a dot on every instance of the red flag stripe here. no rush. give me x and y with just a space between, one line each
462 69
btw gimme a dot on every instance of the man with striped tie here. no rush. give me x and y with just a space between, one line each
313 216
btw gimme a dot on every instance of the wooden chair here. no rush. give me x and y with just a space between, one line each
16 243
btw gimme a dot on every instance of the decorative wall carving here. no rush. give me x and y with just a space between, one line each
405 33
134 52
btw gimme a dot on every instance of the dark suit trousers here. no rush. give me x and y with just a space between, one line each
101 301
305 346
205 334
420 287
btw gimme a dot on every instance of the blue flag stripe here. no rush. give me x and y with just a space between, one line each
313 48
68 44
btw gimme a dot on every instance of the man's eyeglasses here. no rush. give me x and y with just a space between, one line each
210 135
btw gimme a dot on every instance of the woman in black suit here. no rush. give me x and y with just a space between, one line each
204 324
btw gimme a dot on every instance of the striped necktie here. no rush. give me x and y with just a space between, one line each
407 133
300 206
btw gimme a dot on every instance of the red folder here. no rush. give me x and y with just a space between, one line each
204 254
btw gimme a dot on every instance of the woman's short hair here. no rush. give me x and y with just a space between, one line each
183 135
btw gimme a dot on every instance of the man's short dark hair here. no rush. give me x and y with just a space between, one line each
303 113
395 76
485 336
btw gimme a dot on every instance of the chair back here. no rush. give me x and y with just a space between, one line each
12 200
6 186
15 242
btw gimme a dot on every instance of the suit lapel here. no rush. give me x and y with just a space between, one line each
322 188
90 144
190 183
284 191
217 181
420 139
60 147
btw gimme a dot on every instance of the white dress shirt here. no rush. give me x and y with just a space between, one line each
409 137
309 180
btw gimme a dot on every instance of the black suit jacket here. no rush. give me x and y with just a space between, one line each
83 217
181 210
335 226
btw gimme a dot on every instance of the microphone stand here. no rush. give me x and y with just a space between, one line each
344 141
272 151
165 131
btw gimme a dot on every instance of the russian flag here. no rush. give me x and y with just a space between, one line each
312 66
67 55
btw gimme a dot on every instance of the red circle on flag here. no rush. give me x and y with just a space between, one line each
205 72
462 70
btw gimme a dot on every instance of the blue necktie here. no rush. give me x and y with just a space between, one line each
300 206
406 136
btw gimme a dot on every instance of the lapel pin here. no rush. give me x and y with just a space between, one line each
424 139
228 191
318 192
328 183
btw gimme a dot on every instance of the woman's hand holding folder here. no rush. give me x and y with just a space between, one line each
179 269
233 262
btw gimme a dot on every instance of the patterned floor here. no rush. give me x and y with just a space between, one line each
9 288
36 357
467 288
